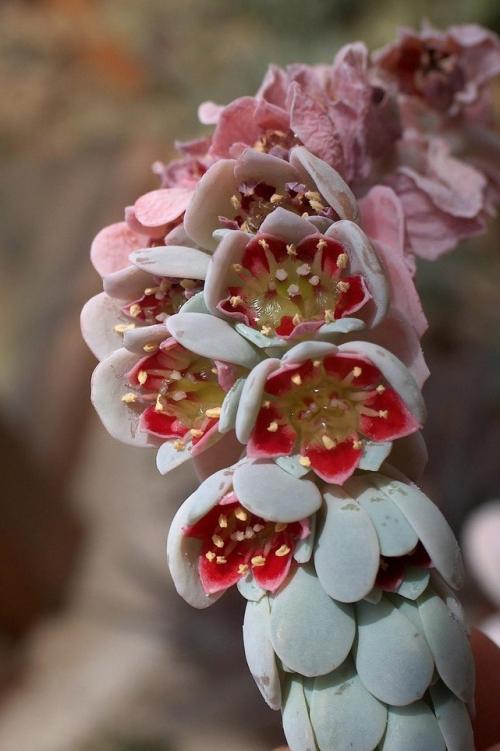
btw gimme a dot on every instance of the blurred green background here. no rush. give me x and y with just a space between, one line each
96 651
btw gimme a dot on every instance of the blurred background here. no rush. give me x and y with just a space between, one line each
96 651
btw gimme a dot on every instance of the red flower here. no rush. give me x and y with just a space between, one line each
392 571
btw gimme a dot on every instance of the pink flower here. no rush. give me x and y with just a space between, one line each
447 71
240 193
289 280
341 113
443 198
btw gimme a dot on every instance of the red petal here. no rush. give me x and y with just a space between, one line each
419 557
263 442
336 464
280 382
203 529
355 297
286 326
307 248
391 574
216 577
340 365
165 426
254 258
330 256
398 423
273 573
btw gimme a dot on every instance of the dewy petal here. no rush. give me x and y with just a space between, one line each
273 494
172 261
211 337
259 651
211 199
112 246
329 183
98 319
161 207
107 388
334 465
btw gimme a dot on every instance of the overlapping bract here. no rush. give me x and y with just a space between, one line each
259 311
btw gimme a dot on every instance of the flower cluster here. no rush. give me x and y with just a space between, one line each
259 317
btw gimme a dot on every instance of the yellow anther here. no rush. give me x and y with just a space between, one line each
383 413
135 310
235 202
235 300
282 551
258 560
276 198
241 514
159 404
356 371
196 433
214 412
327 442
263 243
188 283
175 375
150 347
238 536
121 328
316 363
380 389
129 398
222 521
280 526
210 555
291 249
243 568
237 267
266 404
321 243
142 377
220 559
296 379
304 461
272 427
329 316
218 541
342 261
312 195
179 445
297 319
258 528
266 330
343 287
357 445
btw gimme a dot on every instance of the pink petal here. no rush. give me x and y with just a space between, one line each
209 113
161 207
112 246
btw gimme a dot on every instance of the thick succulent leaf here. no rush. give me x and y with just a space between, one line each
107 388
229 407
415 582
256 165
207 495
412 728
296 722
317 173
183 552
292 465
195 304
393 370
408 608
347 549
211 199
453 719
449 644
341 326
364 261
309 351
396 537
304 547
259 651
172 261
374 455
220 274
251 398
287 226
430 525
344 715
258 339
447 594
268 491
249 589
311 633
98 319
374 596
211 337
126 284
392 658
136 340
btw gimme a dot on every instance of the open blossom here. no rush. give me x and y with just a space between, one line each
241 193
159 392
290 280
159 281
328 406
245 524
447 71
342 113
